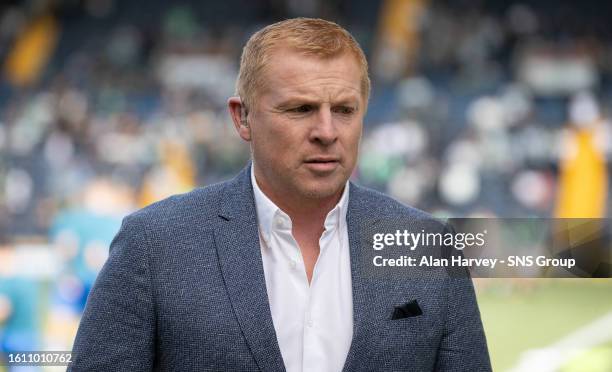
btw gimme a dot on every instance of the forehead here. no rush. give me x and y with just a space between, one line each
290 72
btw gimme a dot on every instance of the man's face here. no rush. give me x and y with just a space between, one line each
306 125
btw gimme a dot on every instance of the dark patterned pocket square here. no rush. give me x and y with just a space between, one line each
407 310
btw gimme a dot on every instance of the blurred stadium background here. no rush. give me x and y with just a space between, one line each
479 108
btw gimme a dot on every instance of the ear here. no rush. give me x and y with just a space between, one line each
239 117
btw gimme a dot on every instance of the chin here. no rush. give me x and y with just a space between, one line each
319 190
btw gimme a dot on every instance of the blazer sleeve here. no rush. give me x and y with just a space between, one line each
463 346
117 330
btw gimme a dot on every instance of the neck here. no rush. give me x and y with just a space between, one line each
304 212
308 219
307 216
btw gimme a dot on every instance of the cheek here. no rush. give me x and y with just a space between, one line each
287 138
277 142
352 141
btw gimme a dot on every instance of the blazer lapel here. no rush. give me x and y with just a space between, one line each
239 253
359 213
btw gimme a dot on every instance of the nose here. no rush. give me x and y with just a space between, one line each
324 129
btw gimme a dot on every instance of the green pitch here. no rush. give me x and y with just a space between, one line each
519 315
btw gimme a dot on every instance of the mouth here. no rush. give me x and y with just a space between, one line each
322 164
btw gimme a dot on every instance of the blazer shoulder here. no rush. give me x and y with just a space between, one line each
200 205
385 206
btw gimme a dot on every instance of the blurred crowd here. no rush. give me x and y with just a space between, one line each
477 109
126 112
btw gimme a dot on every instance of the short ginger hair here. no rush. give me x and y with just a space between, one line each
310 36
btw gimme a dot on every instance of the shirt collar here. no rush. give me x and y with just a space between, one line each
267 211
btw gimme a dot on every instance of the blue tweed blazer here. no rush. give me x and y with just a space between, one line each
183 290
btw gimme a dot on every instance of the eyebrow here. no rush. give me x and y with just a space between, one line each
307 100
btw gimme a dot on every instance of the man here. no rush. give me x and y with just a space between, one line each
263 273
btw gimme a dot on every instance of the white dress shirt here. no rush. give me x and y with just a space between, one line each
313 323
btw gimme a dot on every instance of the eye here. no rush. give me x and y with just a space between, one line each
303 109
345 110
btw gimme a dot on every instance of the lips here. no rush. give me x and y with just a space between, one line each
322 164
321 159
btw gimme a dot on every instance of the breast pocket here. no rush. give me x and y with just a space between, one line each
413 330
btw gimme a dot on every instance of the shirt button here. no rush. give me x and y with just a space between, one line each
292 264
279 223
310 323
